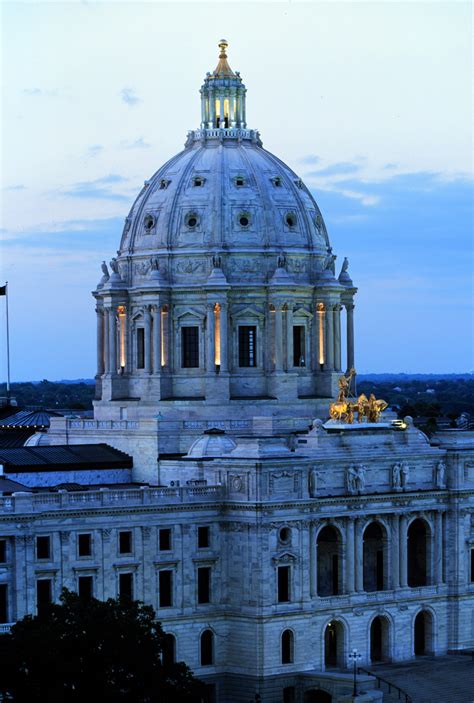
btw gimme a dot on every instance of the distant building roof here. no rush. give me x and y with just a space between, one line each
86 457
7 486
29 418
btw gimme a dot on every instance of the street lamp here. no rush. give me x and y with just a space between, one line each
354 657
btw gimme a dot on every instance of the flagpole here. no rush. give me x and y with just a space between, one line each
8 345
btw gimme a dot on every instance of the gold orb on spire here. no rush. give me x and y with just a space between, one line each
223 44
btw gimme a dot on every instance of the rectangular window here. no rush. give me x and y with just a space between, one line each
3 551
203 537
85 587
126 586
247 346
3 602
125 542
283 584
299 353
165 539
44 594
165 578
43 547
140 348
84 545
190 347
204 584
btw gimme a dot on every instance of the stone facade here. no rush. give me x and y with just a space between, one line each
269 543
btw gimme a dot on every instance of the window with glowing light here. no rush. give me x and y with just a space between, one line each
247 346
321 319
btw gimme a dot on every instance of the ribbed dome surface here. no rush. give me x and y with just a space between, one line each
221 195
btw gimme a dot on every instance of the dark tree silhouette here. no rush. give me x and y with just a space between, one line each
87 650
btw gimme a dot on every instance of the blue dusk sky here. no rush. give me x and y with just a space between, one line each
369 102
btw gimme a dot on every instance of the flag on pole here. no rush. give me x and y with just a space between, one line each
3 289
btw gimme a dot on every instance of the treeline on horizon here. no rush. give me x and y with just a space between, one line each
424 396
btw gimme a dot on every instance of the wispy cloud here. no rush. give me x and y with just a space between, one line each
339 169
19 186
311 159
97 189
40 93
95 150
129 97
139 143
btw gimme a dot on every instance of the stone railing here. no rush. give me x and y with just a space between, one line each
5 627
77 424
230 133
108 498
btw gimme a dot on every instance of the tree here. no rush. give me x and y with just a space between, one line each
85 650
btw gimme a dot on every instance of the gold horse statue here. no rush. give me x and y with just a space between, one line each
344 408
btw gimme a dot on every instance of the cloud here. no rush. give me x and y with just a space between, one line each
95 150
129 97
20 186
339 169
139 143
40 93
310 159
97 189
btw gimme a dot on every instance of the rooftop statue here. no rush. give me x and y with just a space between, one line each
344 408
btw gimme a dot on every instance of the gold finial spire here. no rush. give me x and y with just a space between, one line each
223 68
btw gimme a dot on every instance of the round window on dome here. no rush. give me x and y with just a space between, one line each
149 222
290 219
244 220
192 220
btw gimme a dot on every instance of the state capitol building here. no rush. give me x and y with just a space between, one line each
272 527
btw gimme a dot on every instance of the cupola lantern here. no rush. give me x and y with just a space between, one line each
223 96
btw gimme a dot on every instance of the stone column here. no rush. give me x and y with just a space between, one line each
329 352
147 318
359 557
395 556
289 337
438 548
224 337
313 561
350 335
211 339
278 338
403 551
244 116
231 108
112 341
106 342
100 341
212 109
350 549
156 339
222 120
337 337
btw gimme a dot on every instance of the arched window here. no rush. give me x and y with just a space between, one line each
418 553
334 645
287 646
329 547
379 639
423 633
374 557
169 650
207 648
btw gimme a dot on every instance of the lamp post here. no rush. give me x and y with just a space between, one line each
354 657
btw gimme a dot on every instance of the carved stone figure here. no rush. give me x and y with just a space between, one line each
281 262
355 478
105 270
329 263
396 478
216 262
154 263
319 223
345 265
440 475
313 482
114 265
404 474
